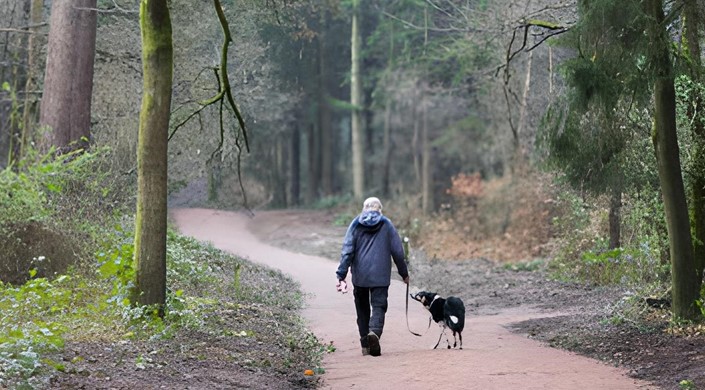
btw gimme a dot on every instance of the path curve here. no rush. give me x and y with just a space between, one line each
493 358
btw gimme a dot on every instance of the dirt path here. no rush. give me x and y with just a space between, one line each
493 358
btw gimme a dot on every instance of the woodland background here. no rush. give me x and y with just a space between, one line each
527 132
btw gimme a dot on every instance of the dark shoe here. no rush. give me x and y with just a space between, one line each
365 351
373 343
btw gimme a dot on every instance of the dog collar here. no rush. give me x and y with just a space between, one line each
434 300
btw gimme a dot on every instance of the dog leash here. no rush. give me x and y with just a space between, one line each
407 315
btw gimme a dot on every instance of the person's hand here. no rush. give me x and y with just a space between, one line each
341 286
406 280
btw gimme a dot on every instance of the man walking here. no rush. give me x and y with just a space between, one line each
370 242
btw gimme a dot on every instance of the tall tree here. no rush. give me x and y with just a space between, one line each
324 114
33 48
150 224
685 286
693 25
68 82
358 132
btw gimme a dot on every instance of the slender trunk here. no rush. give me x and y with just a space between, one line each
36 13
415 148
68 83
356 101
550 70
615 217
279 174
387 137
692 29
426 157
150 224
295 166
314 165
324 120
684 285
387 145
518 159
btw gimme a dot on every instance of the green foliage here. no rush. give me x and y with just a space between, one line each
527 266
611 50
584 256
585 148
686 384
33 322
332 202
116 265
21 199
687 116
43 185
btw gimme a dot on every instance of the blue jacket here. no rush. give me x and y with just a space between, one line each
370 244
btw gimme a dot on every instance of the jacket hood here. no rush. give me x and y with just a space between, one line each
370 218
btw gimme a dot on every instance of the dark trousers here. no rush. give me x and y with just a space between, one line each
371 307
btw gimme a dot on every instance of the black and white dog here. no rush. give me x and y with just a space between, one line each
448 313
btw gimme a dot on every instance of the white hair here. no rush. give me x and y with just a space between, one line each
372 203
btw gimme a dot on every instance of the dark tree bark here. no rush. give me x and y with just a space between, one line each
685 286
68 83
314 164
387 152
692 29
324 120
295 165
151 221
33 50
615 218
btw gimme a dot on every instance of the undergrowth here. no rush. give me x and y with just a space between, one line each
639 266
88 302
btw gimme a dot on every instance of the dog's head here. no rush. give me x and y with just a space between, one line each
424 297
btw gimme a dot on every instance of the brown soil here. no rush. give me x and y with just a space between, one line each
34 246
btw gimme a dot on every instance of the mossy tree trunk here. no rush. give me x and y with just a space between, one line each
150 229
692 36
684 285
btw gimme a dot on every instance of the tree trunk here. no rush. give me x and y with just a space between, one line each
518 159
68 83
324 121
692 29
295 166
387 136
415 139
426 157
358 133
279 174
314 164
684 286
36 13
150 224
387 145
615 217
